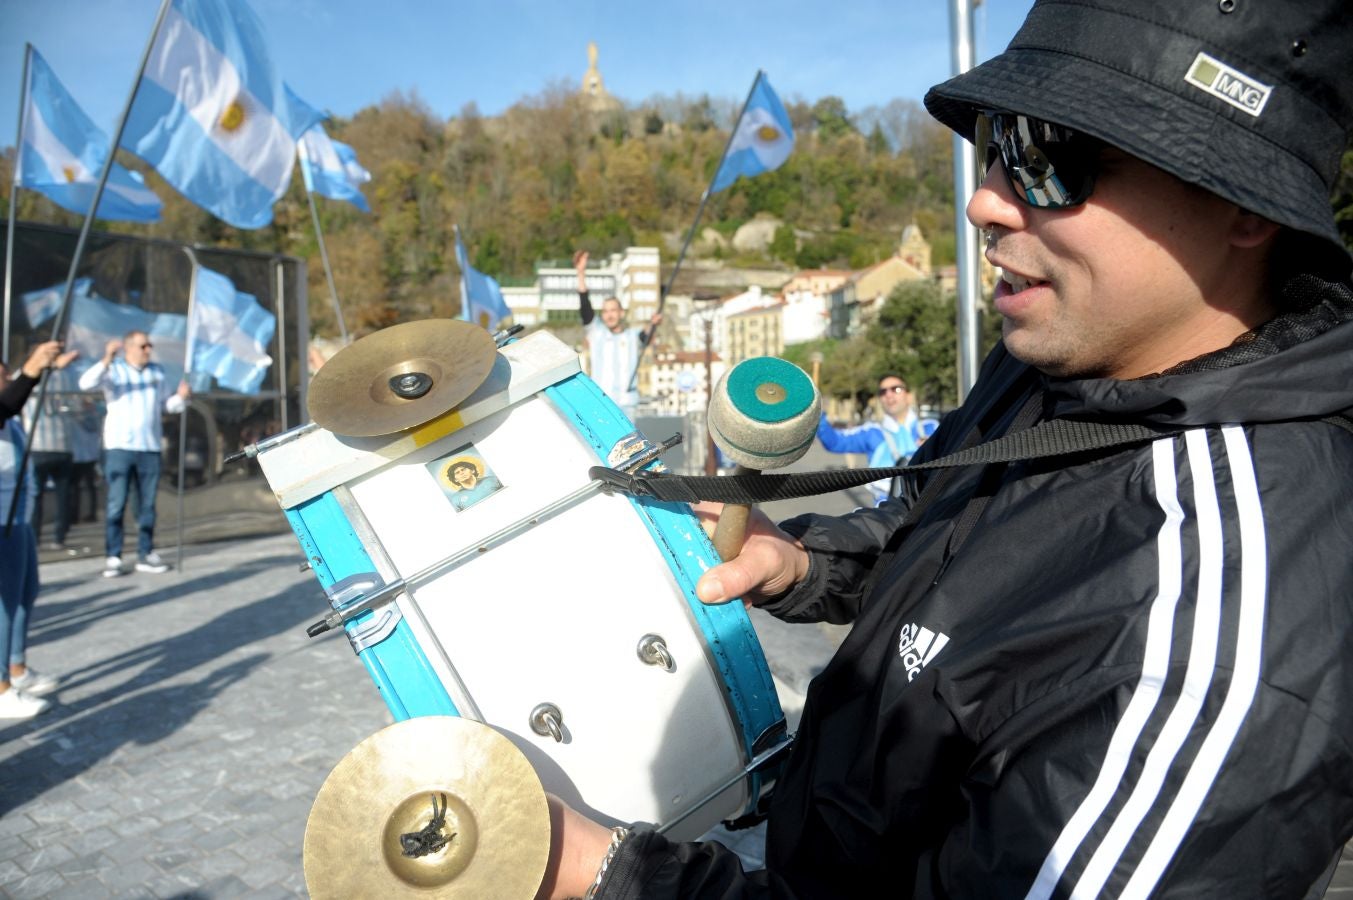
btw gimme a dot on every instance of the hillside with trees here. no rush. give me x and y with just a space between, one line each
549 176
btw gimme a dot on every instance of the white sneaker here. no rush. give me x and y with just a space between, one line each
15 704
152 563
112 567
33 683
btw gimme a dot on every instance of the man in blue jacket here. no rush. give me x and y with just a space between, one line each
889 441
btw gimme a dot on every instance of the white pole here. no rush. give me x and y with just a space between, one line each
183 416
328 272
965 235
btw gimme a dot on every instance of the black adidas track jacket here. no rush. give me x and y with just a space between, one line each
1122 673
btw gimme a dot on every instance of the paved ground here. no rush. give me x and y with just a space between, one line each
196 722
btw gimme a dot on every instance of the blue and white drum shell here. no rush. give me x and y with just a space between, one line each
578 635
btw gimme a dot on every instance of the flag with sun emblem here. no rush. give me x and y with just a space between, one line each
762 139
62 152
481 299
212 115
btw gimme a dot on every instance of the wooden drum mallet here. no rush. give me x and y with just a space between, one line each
763 415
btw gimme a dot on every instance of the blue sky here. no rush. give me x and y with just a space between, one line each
343 55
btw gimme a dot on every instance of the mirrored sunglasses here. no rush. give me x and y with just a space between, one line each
1048 166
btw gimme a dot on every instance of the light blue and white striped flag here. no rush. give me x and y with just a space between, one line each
44 303
762 139
481 299
228 334
63 153
95 321
212 114
331 169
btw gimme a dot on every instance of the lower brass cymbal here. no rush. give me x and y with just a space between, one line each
431 806
400 376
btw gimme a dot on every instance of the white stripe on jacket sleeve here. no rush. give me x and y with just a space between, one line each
1177 818
1155 665
1244 677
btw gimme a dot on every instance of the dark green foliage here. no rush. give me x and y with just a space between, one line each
916 335
783 246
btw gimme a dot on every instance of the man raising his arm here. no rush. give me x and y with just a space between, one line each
136 394
613 348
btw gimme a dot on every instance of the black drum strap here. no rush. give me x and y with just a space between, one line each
1056 437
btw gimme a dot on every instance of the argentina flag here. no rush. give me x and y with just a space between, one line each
330 168
62 152
212 115
481 299
228 334
45 303
762 139
94 321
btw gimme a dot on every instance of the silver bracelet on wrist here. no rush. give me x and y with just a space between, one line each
618 834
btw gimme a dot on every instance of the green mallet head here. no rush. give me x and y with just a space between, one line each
764 413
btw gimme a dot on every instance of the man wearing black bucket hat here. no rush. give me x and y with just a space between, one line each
1113 661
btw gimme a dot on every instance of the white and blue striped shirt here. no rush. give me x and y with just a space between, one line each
614 356
135 398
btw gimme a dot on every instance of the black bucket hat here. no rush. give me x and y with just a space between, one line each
1250 100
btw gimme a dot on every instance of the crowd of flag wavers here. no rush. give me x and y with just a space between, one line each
210 112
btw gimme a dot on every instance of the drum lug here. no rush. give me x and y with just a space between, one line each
548 721
354 587
376 629
652 651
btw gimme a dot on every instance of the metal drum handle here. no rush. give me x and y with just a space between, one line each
653 651
548 721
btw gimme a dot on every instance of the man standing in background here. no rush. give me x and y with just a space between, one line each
135 392
613 348
889 441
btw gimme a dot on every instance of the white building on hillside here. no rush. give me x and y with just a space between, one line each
524 301
631 276
807 296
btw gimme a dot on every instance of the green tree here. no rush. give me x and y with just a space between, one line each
831 119
784 245
916 335
878 142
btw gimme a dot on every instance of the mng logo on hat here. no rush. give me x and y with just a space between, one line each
1230 85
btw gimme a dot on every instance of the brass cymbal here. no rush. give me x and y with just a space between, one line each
374 829
400 376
